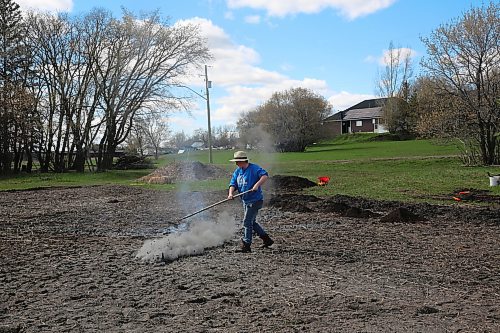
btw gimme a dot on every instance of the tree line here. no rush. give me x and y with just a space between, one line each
151 136
457 96
72 87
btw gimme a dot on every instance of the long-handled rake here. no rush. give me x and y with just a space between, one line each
213 205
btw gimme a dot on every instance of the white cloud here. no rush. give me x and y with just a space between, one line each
235 73
343 100
239 84
243 98
46 5
252 19
349 8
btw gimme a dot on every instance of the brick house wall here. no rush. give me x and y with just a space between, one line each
332 128
366 125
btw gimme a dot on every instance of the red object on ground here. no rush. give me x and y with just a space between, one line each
323 180
463 195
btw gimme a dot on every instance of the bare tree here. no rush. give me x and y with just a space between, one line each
144 59
398 70
52 37
136 141
93 32
436 111
393 84
439 115
91 76
66 57
464 56
225 136
15 101
179 140
154 129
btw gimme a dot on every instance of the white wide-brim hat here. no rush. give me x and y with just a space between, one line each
239 156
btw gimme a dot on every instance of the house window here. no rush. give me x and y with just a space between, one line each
359 123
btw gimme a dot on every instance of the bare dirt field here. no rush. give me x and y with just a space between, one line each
339 264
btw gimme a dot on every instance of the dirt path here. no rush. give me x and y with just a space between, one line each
67 265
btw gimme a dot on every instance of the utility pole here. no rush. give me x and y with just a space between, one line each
208 85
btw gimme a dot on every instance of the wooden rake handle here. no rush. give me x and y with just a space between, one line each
213 205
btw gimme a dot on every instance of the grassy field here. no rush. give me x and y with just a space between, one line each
417 170
37 180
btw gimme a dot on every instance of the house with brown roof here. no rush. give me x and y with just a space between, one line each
365 117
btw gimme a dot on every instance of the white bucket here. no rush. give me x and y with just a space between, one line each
494 180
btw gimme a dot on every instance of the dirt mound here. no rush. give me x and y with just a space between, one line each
359 213
401 214
289 183
391 211
333 207
301 203
340 200
292 203
184 171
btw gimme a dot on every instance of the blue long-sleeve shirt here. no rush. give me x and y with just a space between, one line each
244 179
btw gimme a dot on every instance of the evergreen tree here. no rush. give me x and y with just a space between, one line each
11 60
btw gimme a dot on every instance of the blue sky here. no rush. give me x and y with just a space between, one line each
333 47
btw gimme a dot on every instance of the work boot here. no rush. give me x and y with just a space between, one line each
244 248
267 240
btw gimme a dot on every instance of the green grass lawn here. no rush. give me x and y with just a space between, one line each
36 180
416 170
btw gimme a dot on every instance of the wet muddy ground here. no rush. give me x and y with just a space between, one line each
339 264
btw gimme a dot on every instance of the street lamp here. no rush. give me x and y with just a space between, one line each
208 84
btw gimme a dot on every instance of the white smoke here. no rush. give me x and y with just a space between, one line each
202 234
263 141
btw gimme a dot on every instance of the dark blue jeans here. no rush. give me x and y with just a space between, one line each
249 221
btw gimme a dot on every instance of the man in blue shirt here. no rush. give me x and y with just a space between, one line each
249 176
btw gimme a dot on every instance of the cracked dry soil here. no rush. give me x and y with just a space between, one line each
67 265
